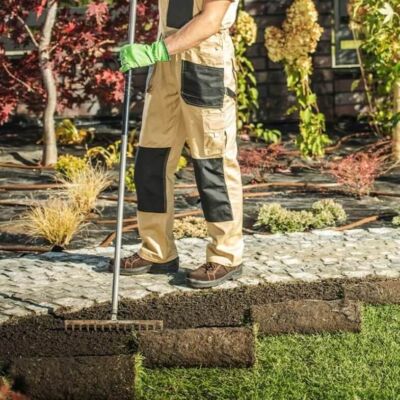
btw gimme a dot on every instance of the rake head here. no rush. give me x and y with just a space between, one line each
118 325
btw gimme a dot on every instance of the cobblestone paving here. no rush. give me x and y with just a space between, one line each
38 284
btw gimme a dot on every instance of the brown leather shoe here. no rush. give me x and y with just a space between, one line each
136 265
212 274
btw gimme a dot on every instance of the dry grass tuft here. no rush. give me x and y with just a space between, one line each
83 188
56 220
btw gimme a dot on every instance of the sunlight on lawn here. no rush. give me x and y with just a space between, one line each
293 367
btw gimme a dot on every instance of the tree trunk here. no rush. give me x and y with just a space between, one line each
49 136
396 129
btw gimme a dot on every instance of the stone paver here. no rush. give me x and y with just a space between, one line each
39 284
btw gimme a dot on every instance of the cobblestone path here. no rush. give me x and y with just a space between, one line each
38 284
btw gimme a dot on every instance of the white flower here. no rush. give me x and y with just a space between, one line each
388 12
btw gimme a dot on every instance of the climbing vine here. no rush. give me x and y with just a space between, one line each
293 45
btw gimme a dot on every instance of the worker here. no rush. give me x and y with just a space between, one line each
190 97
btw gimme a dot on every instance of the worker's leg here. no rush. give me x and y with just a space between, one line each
210 122
157 157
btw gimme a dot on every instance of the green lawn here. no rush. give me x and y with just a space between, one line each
293 367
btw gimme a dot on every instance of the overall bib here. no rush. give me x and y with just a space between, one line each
191 99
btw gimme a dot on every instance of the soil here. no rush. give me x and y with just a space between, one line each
75 378
44 336
307 316
385 292
206 347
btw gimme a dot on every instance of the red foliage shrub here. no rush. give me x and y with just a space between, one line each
7 394
80 51
259 160
356 172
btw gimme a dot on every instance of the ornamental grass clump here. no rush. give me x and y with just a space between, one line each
324 213
293 45
55 220
190 227
85 186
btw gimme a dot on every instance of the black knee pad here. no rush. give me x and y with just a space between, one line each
150 179
211 184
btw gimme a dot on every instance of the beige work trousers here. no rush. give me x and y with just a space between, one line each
191 99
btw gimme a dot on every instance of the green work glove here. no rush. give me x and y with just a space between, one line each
142 55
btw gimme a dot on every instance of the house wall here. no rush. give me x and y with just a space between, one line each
332 85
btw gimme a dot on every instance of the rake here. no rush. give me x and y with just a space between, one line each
114 324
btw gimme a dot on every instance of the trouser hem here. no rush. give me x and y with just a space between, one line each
224 261
142 253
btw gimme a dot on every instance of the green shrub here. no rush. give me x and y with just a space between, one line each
328 213
276 218
129 179
68 165
396 220
323 213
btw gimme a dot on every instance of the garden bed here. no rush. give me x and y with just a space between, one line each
382 203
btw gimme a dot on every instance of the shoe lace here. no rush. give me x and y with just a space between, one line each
210 266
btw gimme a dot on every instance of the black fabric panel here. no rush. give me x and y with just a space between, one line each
179 13
202 85
211 184
150 179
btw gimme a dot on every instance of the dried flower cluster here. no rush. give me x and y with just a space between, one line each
323 213
293 45
190 227
357 172
245 29
298 37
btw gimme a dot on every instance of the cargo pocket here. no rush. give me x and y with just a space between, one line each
214 132
179 13
202 85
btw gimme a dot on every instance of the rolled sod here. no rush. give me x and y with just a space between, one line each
379 292
75 378
207 347
307 316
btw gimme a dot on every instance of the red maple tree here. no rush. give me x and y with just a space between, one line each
68 56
